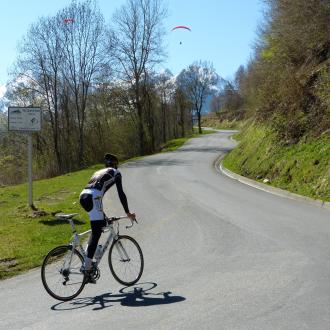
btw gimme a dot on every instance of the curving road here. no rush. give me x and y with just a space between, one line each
218 255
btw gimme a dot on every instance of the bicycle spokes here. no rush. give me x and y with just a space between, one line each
126 260
61 274
122 252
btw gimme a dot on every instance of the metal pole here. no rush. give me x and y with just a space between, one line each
30 170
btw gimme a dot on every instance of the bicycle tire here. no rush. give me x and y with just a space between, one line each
55 260
119 266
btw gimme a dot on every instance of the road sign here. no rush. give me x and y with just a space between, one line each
24 119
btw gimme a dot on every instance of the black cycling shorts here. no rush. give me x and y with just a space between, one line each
86 201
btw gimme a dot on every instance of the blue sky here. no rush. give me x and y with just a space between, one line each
222 31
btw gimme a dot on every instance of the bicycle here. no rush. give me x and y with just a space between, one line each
62 271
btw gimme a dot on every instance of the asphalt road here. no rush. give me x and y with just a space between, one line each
218 255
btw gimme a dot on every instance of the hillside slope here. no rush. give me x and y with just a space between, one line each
302 168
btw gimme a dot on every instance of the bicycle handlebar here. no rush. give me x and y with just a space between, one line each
132 223
113 219
110 220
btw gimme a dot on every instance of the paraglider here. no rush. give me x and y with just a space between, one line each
181 27
68 20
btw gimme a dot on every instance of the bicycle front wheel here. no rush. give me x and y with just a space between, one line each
61 273
126 260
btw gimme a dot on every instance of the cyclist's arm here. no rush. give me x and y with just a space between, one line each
121 193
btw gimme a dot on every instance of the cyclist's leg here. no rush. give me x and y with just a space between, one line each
96 216
96 226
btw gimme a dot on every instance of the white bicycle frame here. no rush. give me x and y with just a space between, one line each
75 243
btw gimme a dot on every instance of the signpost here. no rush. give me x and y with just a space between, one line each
26 120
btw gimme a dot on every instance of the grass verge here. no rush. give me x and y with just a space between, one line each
302 168
27 236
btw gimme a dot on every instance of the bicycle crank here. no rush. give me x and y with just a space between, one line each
95 275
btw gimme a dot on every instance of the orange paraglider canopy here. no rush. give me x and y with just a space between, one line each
181 27
68 20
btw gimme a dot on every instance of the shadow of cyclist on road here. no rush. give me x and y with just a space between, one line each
134 296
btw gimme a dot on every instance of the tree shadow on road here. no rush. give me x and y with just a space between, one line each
133 296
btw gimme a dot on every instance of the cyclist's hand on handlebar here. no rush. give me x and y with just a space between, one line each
131 216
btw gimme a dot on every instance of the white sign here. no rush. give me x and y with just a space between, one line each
24 119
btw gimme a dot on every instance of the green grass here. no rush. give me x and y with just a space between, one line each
26 237
174 144
302 168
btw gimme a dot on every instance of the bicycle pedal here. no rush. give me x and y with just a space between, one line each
89 278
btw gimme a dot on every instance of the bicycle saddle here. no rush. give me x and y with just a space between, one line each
65 216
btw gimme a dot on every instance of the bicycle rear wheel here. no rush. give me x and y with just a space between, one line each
126 260
61 273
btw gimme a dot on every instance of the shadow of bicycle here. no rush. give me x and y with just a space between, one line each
139 295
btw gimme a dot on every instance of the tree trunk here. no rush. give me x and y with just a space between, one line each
199 122
141 129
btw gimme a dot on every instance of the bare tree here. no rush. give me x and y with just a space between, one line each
165 88
82 38
183 109
136 44
196 81
60 58
216 103
38 70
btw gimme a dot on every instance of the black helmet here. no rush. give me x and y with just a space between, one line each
111 160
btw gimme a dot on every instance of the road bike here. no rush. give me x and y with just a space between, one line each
62 271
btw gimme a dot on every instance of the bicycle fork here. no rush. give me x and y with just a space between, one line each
122 252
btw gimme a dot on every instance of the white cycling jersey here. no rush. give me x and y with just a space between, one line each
100 182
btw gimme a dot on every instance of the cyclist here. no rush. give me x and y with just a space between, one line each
91 200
